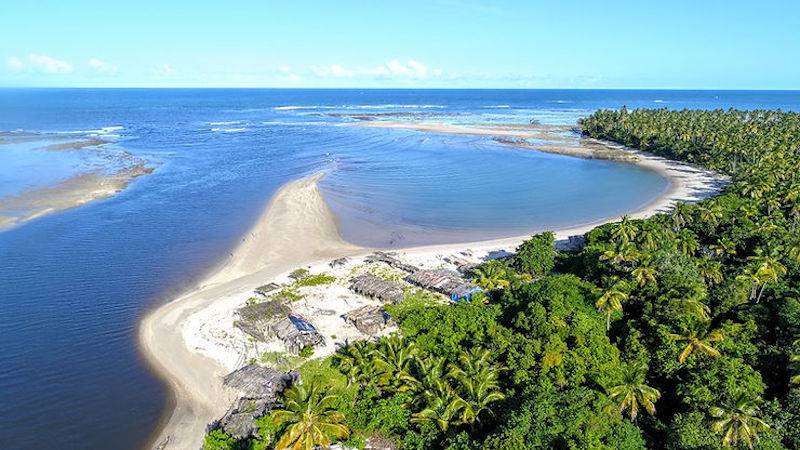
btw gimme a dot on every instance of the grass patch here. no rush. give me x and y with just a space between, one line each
315 280
299 273
283 362
321 372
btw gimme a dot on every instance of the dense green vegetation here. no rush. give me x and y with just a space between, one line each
675 332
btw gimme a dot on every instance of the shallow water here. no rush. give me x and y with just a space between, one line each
73 285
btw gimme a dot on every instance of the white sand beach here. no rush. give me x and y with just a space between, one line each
191 341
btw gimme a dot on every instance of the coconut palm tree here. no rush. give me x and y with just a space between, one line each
354 360
443 410
392 359
310 418
644 275
698 340
621 255
710 270
632 393
624 231
723 247
768 270
738 422
687 242
681 216
611 301
794 360
477 378
711 213
491 275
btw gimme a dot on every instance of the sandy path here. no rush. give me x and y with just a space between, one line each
296 229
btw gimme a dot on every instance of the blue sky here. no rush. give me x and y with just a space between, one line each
703 44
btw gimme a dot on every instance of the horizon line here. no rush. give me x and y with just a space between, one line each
409 88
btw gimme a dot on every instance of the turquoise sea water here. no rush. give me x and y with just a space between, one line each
74 284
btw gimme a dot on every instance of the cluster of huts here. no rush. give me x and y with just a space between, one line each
273 317
443 281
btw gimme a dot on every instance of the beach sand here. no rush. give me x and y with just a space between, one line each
298 229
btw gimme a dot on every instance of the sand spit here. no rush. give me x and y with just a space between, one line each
70 193
105 170
191 342
520 131
296 228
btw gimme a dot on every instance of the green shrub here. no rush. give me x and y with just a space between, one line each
536 256
307 351
315 280
218 440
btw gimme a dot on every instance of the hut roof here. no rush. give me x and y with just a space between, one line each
257 320
376 287
442 280
391 261
259 387
254 381
267 288
297 332
368 319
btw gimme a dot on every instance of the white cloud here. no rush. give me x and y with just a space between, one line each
49 64
102 67
393 69
164 70
41 63
15 64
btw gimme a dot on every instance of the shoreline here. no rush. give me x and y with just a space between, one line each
296 229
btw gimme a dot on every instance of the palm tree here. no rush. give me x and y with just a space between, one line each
443 410
311 419
632 393
392 359
354 361
724 247
687 242
681 215
478 381
710 270
711 213
644 275
611 301
624 231
769 270
491 275
698 339
738 423
621 255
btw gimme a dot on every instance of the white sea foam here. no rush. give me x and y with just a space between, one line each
348 107
105 131
229 130
658 101
298 124
226 122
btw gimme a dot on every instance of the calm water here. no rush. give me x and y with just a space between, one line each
73 285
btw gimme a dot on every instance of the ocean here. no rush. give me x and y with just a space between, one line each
73 285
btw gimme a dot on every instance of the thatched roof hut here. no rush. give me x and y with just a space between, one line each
373 286
297 332
258 320
389 259
444 281
266 289
368 319
259 388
